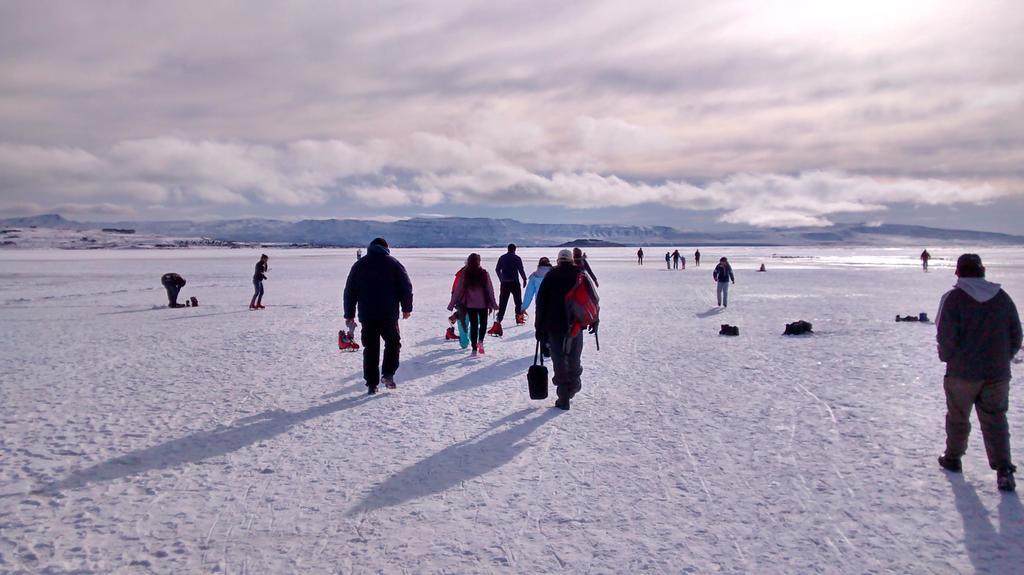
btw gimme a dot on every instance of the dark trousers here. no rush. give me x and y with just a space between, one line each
565 362
257 295
373 331
640 260
515 290
172 293
477 325
990 400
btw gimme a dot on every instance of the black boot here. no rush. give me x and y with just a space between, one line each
1004 478
950 464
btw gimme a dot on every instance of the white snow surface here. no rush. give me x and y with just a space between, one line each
137 438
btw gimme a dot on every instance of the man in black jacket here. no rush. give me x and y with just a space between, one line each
378 285
173 283
979 332
552 324
509 271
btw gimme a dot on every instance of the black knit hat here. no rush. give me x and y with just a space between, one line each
969 266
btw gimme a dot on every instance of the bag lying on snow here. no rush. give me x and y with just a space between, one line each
729 330
798 328
923 317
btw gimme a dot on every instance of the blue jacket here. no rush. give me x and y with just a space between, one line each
510 268
377 284
533 284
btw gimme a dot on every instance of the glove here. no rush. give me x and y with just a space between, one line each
593 327
350 324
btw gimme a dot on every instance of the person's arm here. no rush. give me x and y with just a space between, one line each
731 277
522 272
404 291
492 304
497 267
1015 330
351 296
947 326
590 272
541 312
457 292
531 290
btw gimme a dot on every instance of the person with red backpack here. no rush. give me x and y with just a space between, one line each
566 304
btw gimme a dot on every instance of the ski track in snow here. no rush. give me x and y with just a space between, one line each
136 438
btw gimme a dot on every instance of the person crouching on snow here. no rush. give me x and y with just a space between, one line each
474 293
173 283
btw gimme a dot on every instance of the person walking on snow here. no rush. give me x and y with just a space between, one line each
533 283
668 261
675 260
257 283
378 286
978 332
552 326
640 257
723 275
509 270
173 283
474 293
696 258
925 256
682 261
579 259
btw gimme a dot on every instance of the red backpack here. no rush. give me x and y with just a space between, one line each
582 305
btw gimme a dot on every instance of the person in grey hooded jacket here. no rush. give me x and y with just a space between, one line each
978 333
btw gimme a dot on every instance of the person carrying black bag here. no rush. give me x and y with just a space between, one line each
537 376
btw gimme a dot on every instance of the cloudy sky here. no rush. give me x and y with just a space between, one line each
694 114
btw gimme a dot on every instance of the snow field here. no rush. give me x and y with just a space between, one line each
137 438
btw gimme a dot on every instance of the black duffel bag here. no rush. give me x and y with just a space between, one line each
537 376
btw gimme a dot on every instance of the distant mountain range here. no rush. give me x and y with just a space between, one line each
484 232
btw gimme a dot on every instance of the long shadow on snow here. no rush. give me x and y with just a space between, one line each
454 464
990 551
202 445
487 374
711 312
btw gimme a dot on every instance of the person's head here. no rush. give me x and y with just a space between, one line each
473 261
544 263
564 257
723 260
379 242
577 253
969 266
264 257
474 272
511 248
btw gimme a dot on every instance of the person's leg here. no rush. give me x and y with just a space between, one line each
482 322
517 297
718 292
574 365
560 368
960 396
392 348
370 337
993 401
255 292
725 293
506 290
259 294
476 328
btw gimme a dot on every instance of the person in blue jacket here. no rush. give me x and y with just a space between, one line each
378 286
533 282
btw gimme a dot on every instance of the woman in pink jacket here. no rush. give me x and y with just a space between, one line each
474 296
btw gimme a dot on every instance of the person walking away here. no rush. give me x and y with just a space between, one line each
675 260
925 256
696 258
668 260
682 261
552 326
978 332
640 257
534 281
509 270
377 287
257 283
474 293
173 283
723 275
579 259
359 254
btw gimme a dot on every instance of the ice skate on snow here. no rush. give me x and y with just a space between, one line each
496 329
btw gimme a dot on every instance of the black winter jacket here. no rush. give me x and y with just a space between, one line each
261 270
977 340
551 313
723 273
377 284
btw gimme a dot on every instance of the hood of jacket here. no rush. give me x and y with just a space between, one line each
377 249
980 289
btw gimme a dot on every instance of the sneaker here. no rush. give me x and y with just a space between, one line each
474 351
371 390
562 404
1004 479
389 382
950 464
480 347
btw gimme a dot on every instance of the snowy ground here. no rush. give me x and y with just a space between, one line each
137 438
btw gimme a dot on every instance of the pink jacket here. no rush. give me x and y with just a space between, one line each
481 297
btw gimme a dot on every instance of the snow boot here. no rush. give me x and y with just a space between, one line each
562 404
521 318
371 390
496 330
480 347
195 302
346 341
389 382
950 464
1004 478
450 334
